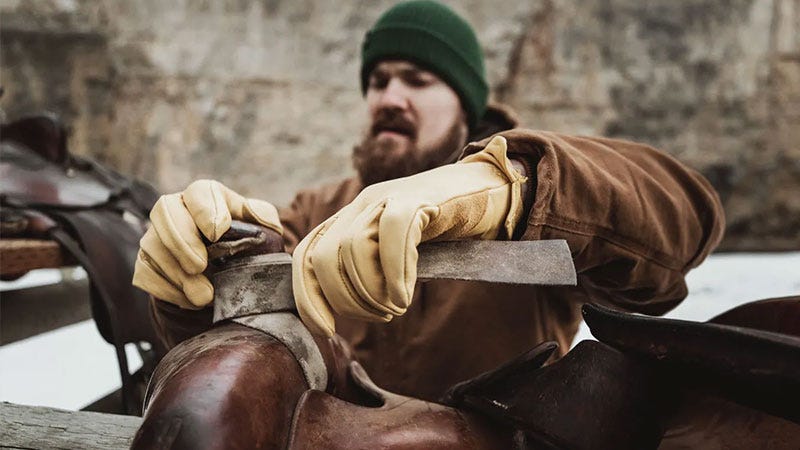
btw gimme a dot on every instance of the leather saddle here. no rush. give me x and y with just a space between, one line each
237 387
657 383
97 216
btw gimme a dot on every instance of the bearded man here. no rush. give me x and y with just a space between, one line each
636 220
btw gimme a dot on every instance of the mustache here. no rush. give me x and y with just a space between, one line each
388 120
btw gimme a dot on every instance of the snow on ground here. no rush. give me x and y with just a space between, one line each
71 367
66 368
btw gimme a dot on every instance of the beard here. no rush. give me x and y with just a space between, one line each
378 160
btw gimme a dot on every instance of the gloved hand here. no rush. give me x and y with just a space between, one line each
172 255
362 262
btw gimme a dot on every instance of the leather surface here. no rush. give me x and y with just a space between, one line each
27 179
111 244
44 133
324 421
229 388
778 315
754 367
711 422
595 397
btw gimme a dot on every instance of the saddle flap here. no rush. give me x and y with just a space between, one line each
520 366
778 315
595 397
754 367
111 244
324 421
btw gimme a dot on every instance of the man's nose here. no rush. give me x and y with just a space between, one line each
394 96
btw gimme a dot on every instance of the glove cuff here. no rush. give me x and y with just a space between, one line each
496 154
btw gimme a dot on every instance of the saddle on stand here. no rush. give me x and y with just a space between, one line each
97 216
256 379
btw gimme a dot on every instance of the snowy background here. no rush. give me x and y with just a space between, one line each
73 366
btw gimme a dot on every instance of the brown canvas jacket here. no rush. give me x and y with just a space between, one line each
636 220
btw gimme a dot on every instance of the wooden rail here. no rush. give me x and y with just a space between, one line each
30 311
21 255
37 427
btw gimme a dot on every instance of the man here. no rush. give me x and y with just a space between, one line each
635 219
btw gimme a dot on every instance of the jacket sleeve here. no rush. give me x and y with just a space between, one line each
311 207
296 220
636 220
174 324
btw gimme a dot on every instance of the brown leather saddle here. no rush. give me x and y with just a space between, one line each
735 359
631 389
237 387
97 216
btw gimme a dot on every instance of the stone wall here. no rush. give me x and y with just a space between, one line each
263 95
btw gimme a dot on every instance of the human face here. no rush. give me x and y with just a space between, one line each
416 123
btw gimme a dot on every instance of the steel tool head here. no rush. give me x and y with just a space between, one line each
510 262
262 283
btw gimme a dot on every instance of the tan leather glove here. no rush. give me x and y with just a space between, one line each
172 255
362 262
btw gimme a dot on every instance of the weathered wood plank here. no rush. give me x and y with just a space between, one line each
31 311
29 427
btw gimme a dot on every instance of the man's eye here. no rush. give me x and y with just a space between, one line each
377 83
418 81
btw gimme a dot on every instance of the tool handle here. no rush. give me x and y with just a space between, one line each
243 239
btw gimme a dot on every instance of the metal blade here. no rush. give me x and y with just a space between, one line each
253 285
260 284
546 262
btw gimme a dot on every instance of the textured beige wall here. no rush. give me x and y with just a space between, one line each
263 95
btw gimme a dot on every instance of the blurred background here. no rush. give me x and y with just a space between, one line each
263 95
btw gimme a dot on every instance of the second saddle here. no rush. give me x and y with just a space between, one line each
97 216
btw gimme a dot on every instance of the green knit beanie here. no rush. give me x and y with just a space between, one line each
432 36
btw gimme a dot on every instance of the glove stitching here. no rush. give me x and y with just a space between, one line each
353 295
177 296
312 307
147 259
410 293
375 213
215 213
171 223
